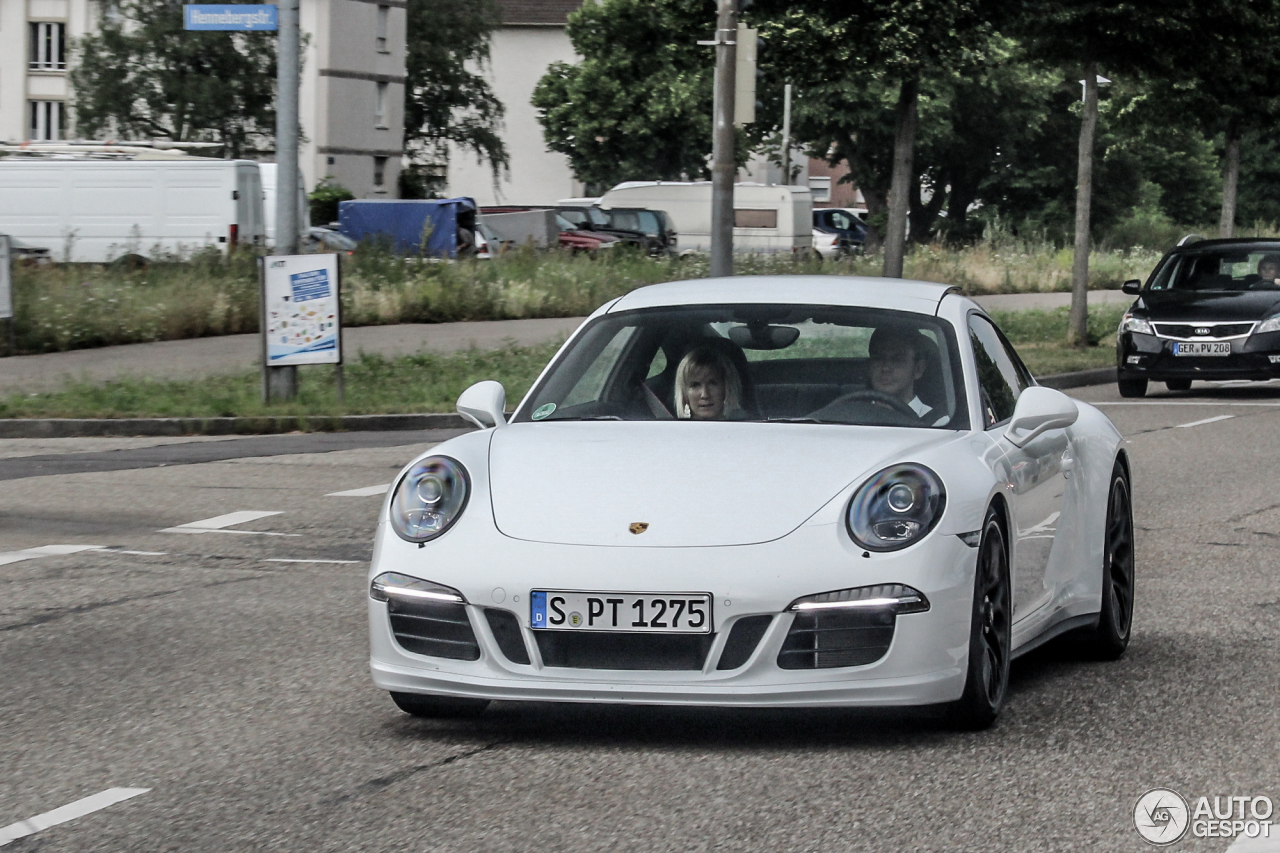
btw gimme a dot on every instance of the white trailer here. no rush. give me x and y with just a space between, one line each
767 218
89 210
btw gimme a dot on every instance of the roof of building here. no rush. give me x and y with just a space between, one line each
536 12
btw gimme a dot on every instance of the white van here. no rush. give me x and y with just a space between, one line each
767 218
90 210
269 187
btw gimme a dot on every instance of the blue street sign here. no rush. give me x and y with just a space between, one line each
234 17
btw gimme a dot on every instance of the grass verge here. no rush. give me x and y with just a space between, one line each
431 383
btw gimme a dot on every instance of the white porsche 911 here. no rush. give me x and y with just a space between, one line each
761 491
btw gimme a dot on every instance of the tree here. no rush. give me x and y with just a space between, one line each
142 76
638 106
446 99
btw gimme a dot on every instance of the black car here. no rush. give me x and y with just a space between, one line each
1210 310
649 229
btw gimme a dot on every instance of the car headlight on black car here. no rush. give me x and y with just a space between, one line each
1271 324
896 507
429 498
1130 323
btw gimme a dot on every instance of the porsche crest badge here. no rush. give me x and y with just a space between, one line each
638 527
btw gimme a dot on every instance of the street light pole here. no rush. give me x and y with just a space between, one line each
281 383
723 167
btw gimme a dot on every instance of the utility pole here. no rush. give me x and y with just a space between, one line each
786 135
282 382
723 166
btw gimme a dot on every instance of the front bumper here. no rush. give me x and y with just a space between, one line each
1140 356
925 662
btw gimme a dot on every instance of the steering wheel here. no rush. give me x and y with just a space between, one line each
879 398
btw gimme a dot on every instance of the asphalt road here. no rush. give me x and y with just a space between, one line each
233 686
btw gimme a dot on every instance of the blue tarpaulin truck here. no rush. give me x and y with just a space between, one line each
441 228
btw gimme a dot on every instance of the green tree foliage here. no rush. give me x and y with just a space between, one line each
446 100
638 106
142 76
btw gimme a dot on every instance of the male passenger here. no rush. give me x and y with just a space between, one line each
899 360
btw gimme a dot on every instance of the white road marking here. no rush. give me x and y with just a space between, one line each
1177 403
282 560
143 553
366 492
44 551
1205 421
69 812
219 523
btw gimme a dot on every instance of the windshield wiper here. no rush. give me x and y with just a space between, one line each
589 418
797 421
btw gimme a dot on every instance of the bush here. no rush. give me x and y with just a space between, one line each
324 200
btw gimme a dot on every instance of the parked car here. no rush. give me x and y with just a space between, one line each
758 491
596 220
572 237
652 226
844 222
323 240
1209 310
829 246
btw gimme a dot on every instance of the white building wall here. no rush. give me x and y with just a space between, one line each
19 84
520 57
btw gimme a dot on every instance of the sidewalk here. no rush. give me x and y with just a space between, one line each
199 357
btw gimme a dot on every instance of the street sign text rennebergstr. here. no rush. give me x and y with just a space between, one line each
230 17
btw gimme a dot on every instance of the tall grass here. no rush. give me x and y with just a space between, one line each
73 306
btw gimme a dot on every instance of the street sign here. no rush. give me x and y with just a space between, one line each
302 316
239 17
6 298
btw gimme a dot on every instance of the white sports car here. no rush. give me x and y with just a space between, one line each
761 491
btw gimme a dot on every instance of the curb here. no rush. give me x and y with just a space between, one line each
122 427
129 427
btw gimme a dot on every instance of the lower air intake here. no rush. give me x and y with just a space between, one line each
743 639
506 630
599 650
435 628
821 639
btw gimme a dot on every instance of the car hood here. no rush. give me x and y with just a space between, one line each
1174 305
692 484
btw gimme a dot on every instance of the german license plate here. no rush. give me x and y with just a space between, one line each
649 612
1202 348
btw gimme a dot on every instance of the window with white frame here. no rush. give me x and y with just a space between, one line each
48 47
380 107
381 40
379 171
48 120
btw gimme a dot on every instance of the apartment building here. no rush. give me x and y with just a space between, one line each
351 101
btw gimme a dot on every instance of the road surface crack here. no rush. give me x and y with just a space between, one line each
382 782
54 615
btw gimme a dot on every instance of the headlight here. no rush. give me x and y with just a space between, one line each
429 499
1131 323
1271 324
395 585
896 507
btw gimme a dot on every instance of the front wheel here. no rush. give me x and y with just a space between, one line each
438 707
1132 387
1110 639
990 633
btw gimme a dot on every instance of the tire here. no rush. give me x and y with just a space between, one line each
438 707
986 684
1132 387
1110 638
1178 384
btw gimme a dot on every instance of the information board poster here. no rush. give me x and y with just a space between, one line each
302 318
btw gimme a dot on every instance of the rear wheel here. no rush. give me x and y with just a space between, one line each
990 637
438 707
1110 639
1132 387
1178 384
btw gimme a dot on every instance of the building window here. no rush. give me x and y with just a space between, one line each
48 119
48 47
379 171
381 41
820 186
380 107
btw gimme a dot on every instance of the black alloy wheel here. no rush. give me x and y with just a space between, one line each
1115 622
438 707
1132 387
990 633
1178 384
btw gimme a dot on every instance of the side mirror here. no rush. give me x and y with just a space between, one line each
484 404
1039 410
1132 287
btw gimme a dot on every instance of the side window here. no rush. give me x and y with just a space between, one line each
1001 376
589 388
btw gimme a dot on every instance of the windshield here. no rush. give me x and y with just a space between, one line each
812 364
1223 268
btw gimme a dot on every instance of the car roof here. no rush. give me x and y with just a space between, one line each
1224 241
921 297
